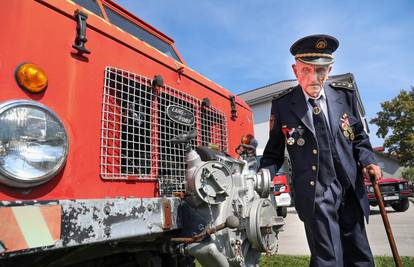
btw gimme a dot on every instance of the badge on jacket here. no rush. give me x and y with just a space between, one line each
347 130
301 140
288 133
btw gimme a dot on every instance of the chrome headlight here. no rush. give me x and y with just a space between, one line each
33 143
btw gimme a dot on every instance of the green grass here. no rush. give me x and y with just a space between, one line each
298 261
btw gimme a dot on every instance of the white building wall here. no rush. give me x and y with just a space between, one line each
261 115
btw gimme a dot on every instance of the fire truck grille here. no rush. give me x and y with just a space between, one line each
388 188
137 129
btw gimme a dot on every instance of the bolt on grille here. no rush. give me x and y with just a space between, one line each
136 131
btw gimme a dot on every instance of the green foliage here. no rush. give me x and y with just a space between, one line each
396 124
408 174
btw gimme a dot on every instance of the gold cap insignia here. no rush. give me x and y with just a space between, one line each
321 44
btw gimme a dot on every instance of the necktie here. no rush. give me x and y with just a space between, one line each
319 119
328 170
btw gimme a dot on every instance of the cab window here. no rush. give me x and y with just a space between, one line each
91 5
140 33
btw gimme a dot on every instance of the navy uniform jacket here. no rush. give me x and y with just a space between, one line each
290 111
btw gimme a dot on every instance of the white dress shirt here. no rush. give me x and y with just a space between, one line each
322 102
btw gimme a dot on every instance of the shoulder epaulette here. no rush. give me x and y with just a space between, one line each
283 93
343 85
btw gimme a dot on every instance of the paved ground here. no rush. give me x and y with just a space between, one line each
293 238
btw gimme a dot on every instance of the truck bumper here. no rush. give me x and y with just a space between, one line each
283 200
30 226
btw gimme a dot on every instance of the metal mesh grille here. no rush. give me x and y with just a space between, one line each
136 131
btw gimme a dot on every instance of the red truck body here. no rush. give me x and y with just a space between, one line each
395 193
93 95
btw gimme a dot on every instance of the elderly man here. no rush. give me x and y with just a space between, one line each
320 125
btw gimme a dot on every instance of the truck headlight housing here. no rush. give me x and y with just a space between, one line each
33 143
370 189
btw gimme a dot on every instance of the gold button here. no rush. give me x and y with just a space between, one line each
312 183
314 151
313 168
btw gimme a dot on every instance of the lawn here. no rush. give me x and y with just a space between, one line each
298 261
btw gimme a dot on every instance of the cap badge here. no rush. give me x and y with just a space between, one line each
321 44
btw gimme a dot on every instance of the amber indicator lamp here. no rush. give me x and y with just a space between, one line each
31 78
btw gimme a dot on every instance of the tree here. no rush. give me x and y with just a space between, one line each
396 124
408 174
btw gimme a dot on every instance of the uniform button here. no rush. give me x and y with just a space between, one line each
312 183
314 151
313 168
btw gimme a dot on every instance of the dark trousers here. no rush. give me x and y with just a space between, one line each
336 234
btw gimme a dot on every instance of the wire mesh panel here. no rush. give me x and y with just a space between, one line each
172 157
211 127
137 130
126 126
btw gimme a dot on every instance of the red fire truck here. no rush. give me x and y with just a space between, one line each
114 152
281 192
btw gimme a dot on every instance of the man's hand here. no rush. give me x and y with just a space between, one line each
372 170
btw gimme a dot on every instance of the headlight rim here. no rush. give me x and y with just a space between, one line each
9 179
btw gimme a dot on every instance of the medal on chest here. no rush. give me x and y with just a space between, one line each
347 130
288 132
301 140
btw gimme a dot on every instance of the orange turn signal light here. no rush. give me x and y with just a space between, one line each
31 77
246 139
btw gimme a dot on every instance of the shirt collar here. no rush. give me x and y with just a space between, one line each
322 95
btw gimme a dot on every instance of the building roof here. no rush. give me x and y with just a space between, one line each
267 92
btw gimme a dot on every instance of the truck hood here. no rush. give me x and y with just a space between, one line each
387 180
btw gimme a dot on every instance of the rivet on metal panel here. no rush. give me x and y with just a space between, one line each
166 207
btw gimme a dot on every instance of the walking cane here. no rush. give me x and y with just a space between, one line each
387 225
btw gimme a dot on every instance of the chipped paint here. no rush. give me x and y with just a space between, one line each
89 221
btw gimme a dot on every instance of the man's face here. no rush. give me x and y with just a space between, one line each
311 77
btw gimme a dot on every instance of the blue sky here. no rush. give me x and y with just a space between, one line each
243 45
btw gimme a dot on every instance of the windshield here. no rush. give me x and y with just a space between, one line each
140 33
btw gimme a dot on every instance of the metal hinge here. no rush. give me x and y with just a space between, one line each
81 32
233 107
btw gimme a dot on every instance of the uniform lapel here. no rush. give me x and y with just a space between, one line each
300 108
335 108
